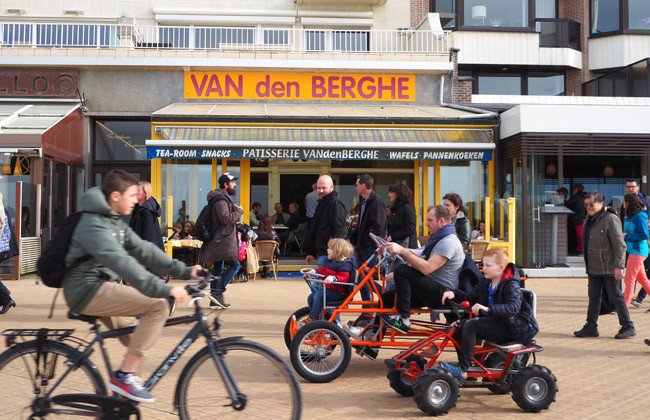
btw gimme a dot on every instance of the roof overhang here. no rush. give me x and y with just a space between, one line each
576 119
23 124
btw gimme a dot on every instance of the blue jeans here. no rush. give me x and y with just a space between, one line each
362 256
315 300
219 285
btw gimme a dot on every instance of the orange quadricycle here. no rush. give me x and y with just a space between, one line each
321 350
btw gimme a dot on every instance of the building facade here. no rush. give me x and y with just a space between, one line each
273 92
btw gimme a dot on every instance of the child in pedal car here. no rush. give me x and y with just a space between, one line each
337 269
502 314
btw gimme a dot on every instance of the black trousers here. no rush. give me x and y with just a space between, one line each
483 328
613 288
5 295
413 289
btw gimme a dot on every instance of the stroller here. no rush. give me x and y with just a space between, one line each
246 236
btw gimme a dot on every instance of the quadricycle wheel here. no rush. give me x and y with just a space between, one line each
301 316
320 351
436 391
534 388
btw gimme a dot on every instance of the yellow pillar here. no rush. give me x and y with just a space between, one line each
215 175
416 193
170 222
425 195
488 217
512 216
245 187
436 180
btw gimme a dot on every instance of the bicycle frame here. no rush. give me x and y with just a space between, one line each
199 329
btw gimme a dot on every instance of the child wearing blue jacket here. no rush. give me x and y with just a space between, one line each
635 233
501 312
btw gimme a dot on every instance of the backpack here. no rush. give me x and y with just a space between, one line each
203 229
51 264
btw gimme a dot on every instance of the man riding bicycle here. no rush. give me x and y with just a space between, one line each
93 286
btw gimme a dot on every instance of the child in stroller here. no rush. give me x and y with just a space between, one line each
245 234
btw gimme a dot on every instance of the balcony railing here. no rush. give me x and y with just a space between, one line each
558 33
57 35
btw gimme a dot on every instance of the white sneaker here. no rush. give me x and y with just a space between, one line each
354 332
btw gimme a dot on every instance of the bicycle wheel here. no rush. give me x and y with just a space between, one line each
26 375
270 388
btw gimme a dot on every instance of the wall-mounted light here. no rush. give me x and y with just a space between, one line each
608 171
16 11
73 12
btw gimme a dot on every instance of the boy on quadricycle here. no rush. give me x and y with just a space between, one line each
501 312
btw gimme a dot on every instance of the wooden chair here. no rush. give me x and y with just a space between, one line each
422 240
266 253
477 248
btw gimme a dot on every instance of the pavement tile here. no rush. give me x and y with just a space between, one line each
598 378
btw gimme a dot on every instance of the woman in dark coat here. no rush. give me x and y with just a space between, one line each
401 226
144 219
454 204
8 249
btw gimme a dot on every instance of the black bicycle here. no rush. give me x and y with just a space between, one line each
49 372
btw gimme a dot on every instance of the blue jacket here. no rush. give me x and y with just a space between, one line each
637 234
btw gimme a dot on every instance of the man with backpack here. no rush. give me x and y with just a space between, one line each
223 247
103 249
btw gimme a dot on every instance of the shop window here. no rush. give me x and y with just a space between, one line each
604 16
260 190
496 13
639 14
469 179
117 140
188 182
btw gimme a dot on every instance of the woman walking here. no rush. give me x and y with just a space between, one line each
8 249
635 232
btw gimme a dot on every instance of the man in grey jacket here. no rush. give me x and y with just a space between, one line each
93 287
604 253
223 248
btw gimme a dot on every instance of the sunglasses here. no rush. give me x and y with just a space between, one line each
590 204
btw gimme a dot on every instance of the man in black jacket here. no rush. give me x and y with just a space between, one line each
372 218
328 221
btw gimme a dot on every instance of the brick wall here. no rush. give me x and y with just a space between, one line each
461 90
577 10
419 8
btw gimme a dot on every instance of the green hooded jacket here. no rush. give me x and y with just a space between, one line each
117 251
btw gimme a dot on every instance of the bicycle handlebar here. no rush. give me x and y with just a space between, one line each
194 290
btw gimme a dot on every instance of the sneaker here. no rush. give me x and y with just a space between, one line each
636 303
130 386
455 370
354 332
216 299
625 332
368 352
587 331
648 311
396 322
647 341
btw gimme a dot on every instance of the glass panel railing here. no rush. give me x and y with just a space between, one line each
558 33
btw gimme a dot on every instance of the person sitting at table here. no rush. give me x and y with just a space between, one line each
187 232
177 227
479 234
294 222
280 217
265 232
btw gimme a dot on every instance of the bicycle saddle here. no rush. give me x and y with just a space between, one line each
81 317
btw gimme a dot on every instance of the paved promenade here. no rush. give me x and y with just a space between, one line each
598 378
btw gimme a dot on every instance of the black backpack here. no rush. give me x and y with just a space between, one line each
203 229
51 264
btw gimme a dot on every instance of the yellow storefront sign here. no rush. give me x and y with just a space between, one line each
299 86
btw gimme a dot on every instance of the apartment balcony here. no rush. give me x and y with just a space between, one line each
56 35
615 51
556 43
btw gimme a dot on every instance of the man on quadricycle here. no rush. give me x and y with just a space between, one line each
427 275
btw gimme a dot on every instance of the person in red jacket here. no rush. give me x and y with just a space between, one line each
336 269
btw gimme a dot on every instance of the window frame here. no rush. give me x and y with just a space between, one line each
623 22
523 72
460 19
